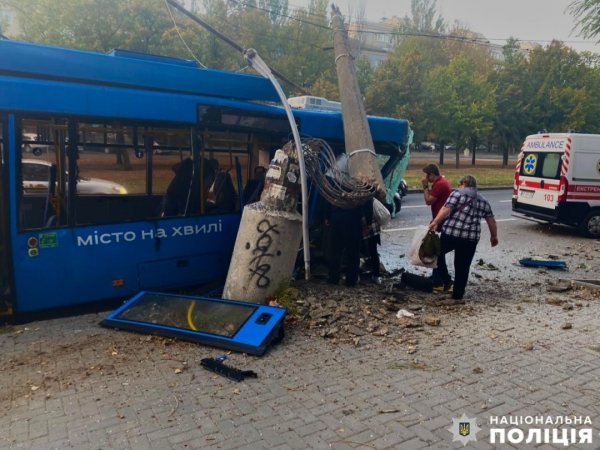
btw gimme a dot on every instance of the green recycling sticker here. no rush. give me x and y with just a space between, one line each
48 240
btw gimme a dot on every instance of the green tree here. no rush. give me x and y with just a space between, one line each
423 18
513 99
364 73
587 13
397 85
93 24
461 102
276 9
305 55
552 88
561 96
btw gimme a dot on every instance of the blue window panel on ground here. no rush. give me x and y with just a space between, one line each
232 325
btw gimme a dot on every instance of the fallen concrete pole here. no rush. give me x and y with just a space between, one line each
267 243
362 163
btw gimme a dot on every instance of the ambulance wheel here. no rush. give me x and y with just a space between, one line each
590 225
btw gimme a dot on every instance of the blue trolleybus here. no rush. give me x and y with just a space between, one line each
123 172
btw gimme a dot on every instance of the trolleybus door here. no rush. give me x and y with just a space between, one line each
6 288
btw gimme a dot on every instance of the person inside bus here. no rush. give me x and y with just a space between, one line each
254 186
182 195
221 197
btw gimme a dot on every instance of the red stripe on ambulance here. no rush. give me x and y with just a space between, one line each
584 188
583 197
538 184
567 154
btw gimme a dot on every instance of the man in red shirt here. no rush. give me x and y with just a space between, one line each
436 190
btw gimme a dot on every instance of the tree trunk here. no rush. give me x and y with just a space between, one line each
457 151
122 153
505 156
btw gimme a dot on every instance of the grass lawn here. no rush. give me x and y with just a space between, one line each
488 173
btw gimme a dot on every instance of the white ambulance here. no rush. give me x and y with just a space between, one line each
557 180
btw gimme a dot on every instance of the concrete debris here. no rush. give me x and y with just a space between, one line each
559 286
482 265
404 313
397 314
432 321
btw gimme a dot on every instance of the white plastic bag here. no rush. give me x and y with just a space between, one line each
413 254
380 213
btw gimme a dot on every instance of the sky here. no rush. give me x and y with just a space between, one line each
528 20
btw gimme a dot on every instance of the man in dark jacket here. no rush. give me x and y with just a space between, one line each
346 236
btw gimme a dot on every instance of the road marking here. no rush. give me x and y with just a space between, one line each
504 201
393 230
415 206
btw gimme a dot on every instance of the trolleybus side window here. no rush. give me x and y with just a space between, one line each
127 172
44 195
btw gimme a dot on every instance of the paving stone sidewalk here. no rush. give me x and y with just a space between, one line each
67 383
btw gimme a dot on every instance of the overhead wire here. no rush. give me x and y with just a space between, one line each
389 33
229 41
181 37
270 11
285 38
333 182
483 42
476 41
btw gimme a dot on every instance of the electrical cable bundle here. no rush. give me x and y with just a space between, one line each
334 184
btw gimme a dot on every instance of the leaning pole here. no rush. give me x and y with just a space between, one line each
270 233
362 163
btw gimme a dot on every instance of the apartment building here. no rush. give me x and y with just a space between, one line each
375 40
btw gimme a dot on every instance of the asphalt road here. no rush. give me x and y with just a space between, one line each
415 212
518 239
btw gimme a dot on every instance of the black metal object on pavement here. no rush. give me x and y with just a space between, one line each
216 365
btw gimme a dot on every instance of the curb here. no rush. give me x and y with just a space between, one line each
485 188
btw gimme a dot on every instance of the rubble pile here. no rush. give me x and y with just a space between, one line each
357 315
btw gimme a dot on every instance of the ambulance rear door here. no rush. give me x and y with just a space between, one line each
539 176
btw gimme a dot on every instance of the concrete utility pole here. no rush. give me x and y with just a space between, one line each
269 236
362 163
